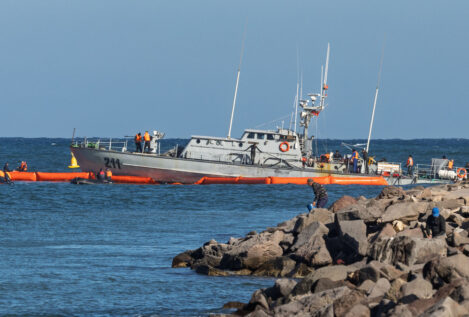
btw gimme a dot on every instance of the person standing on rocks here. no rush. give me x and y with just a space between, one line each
436 224
320 194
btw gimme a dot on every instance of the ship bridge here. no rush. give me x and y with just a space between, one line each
269 148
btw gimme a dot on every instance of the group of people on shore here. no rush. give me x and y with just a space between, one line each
435 224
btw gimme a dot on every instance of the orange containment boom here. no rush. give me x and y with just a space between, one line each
59 177
23 176
324 180
379 181
121 179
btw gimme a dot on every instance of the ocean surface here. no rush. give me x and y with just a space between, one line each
106 250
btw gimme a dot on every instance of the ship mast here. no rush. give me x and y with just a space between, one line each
311 110
374 101
237 82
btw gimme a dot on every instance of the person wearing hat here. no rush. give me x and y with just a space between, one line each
436 224
320 194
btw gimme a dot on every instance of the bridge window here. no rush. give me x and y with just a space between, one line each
260 136
251 135
270 137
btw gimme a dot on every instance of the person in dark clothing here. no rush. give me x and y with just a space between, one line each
320 194
6 170
138 142
253 148
100 176
336 156
365 160
436 224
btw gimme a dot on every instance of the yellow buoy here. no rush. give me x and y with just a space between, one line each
73 162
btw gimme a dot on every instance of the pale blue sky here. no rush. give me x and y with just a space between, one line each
112 68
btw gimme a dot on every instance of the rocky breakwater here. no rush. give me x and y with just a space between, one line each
360 257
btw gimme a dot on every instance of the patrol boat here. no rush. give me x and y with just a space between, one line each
257 153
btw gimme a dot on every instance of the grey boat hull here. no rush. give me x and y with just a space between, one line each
188 171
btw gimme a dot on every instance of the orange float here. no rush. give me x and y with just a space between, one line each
23 176
284 146
123 179
219 180
324 180
254 180
359 181
60 177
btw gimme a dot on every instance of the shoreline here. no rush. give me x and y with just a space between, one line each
361 257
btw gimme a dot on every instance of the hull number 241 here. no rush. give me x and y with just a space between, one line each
112 163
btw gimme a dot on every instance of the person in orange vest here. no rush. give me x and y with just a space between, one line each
450 164
23 167
355 160
108 175
410 166
147 139
138 142
303 160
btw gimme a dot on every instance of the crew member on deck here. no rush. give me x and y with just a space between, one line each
320 194
355 160
365 160
147 139
23 167
138 142
108 175
410 166
253 148
336 156
450 164
303 161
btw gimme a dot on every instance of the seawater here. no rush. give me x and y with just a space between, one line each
106 250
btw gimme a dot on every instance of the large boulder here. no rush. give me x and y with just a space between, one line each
276 267
334 273
252 251
379 289
310 246
360 211
417 287
342 203
261 253
344 304
305 305
281 288
446 308
406 211
321 215
354 234
407 250
391 192
440 271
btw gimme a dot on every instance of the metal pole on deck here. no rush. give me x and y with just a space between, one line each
374 101
237 81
